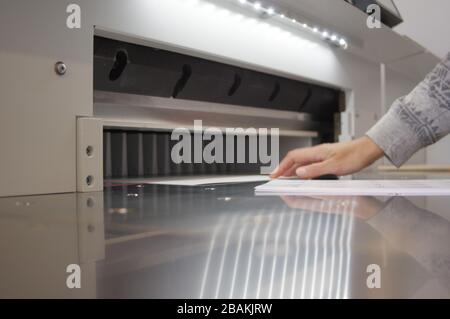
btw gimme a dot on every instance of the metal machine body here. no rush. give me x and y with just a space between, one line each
52 119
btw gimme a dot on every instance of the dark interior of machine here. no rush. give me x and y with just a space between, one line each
134 69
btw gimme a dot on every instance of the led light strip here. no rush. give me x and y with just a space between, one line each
330 37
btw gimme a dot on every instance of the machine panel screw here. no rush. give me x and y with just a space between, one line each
60 68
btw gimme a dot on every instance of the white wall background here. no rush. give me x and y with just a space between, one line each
427 22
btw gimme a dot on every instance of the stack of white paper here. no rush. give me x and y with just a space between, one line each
191 180
355 187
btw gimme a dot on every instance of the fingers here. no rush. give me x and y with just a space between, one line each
291 171
297 158
301 202
285 165
315 170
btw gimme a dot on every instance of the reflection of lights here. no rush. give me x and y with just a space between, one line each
208 258
261 266
275 256
349 250
286 256
325 251
250 256
121 211
305 264
297 252
333 252
224 254
316 251
23 204
236 261
341 254
306 254
343 43
132 195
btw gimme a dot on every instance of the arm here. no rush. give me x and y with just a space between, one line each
414 121
418 119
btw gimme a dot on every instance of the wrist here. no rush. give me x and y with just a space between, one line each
372 152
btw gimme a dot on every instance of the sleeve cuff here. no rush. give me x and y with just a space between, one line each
394 136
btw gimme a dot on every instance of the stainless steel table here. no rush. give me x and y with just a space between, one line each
150 241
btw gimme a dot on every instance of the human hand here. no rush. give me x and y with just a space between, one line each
336 159
362 207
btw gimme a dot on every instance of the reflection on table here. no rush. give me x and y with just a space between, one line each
221 241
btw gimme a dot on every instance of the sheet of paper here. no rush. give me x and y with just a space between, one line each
355 187
192 180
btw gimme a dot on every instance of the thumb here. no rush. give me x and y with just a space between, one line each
314 170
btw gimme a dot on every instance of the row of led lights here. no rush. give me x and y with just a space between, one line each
334 38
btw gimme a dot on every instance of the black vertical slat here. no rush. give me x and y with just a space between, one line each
256 168
269 148
169 167
175 168
106 154
140 154
116 154
227 165
251 167
222 167
163 154
246 167
235 165
188 168
205 166
124 169
214 167
133 154
150 155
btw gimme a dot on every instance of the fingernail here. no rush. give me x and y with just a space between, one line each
301 172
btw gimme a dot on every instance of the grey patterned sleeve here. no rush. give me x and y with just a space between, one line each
418 119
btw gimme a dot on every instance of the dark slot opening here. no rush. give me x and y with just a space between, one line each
120 63
236 84
181 83
305 100
275 92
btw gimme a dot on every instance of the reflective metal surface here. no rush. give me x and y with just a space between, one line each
149 241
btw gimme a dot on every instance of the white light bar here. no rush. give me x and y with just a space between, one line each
324 34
